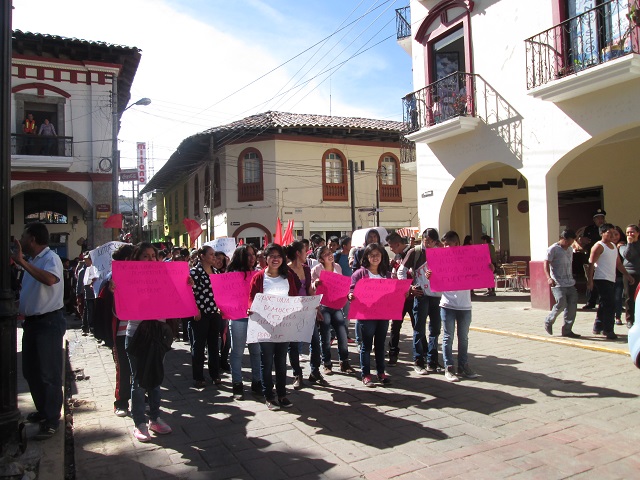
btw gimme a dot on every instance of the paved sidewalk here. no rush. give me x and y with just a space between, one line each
539 410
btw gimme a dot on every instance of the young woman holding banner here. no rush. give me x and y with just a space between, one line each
275 279
297 255
331 317
375 264
144 252
243 260
205 327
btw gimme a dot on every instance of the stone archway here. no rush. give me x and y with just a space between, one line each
254 225
56 187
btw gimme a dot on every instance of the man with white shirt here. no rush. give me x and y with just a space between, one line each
559 272
42 304
90 277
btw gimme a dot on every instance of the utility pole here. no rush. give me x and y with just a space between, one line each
9 413
115 154
353 197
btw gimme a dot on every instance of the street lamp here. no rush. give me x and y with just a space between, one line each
115 154
207 210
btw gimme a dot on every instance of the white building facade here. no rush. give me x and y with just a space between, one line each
525 119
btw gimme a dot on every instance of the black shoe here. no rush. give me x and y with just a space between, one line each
225 367
571 335
318 379
285 402
596 331
611 336
199 384
435 368
46 432
588 307
548 328
393 360
35 417
238 391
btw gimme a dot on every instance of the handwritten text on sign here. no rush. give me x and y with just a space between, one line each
226 245
153 290
282 319
334 289
101 258
379 299
231 292
460 268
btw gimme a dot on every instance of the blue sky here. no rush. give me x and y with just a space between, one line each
196 53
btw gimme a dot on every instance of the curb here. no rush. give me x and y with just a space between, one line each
557 341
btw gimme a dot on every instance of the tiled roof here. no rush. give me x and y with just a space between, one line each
298 120
20 35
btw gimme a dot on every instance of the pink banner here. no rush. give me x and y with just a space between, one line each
334 288
460 268
379 299
231 293
153 290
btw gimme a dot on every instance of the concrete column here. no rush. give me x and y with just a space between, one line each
545 223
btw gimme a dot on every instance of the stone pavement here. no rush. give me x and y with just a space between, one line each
539 410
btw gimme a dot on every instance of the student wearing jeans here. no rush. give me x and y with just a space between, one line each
455 309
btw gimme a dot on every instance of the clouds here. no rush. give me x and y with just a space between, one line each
196 53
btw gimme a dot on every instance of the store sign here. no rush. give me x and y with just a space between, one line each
142 162
129 175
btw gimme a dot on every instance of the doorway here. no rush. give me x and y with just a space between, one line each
492 218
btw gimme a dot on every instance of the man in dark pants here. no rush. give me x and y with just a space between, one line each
41 303
400 247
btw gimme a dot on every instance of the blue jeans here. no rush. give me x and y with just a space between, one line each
42 360
238 329
314 353
423 307
205 332
137 393
333 318
273 354
606 310
449 319
567 301
374 333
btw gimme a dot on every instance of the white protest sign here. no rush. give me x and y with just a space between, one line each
101 258
282 319
226 245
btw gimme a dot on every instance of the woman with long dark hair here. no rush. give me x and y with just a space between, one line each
243 260
375 264
144 252
297 256
275 279
331 317
204 328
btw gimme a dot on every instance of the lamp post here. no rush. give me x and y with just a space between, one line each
207 210
115 154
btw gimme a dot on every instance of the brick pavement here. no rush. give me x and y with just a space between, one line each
539 410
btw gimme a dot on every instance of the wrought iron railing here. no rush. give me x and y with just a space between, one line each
42 145
596 36
403 23
447 98
407 150
463 94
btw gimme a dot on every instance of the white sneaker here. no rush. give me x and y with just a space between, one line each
121 412
450 376
141 432
159 426
466 371
420 370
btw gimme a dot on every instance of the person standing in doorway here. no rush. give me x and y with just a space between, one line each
592 232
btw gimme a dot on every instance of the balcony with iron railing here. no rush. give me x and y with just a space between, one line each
41 151
585 53
457 104
403 28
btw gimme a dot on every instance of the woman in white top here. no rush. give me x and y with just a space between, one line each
331 317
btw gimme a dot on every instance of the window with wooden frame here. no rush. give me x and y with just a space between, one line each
334 176
389 184
250 176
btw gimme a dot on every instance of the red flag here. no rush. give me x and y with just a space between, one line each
114 221
193 229
241 242
265 241
277 238
288 234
